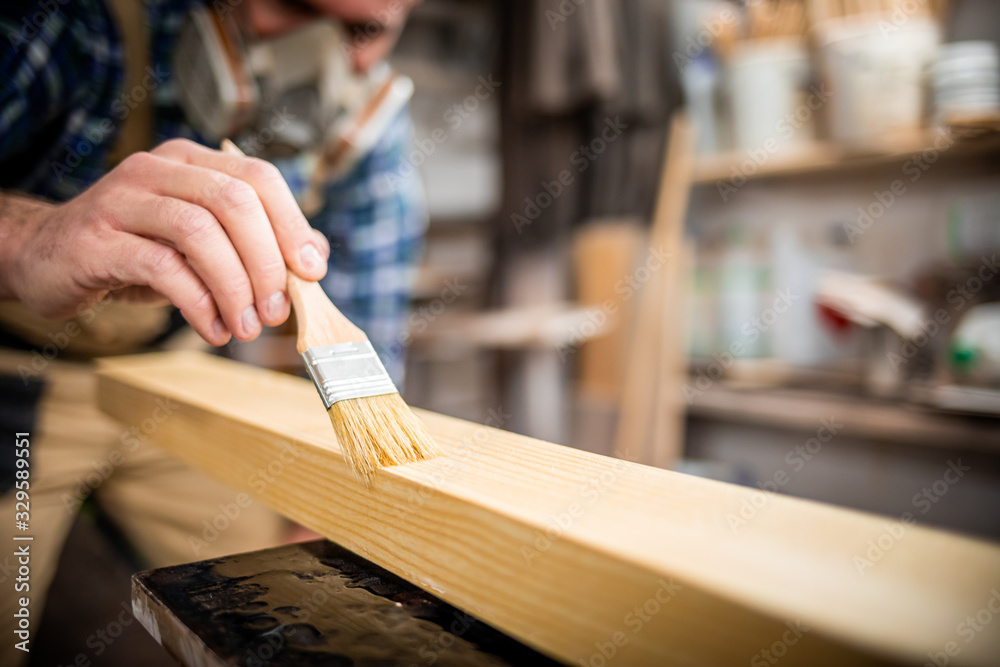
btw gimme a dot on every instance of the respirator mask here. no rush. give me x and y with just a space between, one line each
284 96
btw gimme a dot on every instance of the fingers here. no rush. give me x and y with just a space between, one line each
204 244
302 250
233 224
134 260
235 205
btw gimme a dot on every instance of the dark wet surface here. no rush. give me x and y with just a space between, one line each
319 604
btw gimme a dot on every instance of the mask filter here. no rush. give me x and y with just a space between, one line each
280 97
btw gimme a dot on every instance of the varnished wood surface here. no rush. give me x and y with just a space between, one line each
311 604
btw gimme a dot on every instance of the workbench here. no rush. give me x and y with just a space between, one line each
312 603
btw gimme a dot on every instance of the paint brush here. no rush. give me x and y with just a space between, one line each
374 426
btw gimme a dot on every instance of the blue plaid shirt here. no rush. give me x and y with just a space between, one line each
62 102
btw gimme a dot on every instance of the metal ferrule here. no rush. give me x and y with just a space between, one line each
347 370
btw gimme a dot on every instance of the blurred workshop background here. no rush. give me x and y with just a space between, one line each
814 308
828 323
801 294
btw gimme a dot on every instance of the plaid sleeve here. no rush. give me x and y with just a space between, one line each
375 219
33 87
60 70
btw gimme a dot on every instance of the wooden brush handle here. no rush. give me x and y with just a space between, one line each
319 321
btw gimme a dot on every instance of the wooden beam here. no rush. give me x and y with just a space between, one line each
579 555
605 254
651 418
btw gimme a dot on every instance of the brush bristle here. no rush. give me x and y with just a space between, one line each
379 431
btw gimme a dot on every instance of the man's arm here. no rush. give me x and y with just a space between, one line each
212 233
17 215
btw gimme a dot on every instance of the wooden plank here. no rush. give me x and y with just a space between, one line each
651 425
605 253
576 554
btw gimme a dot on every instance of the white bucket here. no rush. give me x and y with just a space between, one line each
876 73
766 87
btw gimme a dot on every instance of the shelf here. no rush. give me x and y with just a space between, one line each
863 417
825 157
550 326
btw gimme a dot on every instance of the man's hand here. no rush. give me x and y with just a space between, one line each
210 232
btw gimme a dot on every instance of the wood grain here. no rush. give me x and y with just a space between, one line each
576 554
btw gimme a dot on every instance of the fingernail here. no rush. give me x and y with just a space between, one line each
219 329
324 244
250 320
276 305
311 260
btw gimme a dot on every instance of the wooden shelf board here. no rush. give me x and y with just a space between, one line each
864 418
826 157
544 326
